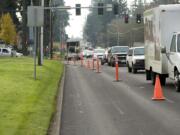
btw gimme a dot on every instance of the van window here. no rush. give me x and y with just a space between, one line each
178 43
173 44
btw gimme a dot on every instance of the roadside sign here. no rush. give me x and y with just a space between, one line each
35 16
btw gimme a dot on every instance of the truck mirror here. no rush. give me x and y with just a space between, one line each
163 50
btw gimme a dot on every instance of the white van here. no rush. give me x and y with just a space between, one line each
162 43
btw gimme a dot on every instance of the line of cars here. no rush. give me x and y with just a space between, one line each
132 57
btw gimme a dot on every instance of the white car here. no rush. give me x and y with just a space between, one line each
5 52
135 59
17 54
98 54
9 52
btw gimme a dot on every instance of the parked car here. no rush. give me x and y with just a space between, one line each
118 52
135 59
5 52
17 54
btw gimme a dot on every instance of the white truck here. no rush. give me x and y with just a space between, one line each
73 49
162 43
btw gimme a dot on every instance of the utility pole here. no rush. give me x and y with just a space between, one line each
118 38
24 21
42 38
61 37
51 32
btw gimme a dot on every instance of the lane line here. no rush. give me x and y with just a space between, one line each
169 100
118 108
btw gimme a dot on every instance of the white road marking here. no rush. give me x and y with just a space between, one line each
169 100
118 108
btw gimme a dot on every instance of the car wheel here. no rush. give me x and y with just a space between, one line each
163 80
133 69
113 64
129 69
177 81
153 77
109 64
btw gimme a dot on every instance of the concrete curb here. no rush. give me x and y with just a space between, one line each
55 124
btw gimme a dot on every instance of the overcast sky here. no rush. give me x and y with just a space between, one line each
77 22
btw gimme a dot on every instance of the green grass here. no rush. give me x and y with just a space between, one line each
26 105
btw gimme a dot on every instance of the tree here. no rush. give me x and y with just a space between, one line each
96 34
60 20
9 6
7 29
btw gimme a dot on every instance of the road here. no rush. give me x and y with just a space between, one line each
96 105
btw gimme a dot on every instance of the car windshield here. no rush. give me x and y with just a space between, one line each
139 51
99 51
119 49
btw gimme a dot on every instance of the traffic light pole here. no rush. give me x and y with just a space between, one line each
118 38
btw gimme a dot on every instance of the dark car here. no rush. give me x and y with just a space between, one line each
118 52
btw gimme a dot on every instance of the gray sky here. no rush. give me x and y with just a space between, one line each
77 22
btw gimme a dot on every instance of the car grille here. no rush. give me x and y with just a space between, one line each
122 56
140 62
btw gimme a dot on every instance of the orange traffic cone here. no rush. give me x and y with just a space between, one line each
88 65
158 94
98 66
117 72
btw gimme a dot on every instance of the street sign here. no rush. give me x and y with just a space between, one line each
35 16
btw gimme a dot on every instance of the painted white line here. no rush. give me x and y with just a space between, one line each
118 108
169 100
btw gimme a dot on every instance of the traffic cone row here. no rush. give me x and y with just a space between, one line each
158 92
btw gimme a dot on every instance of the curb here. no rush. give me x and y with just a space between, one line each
55 124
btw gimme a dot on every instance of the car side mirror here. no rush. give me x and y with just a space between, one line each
163 50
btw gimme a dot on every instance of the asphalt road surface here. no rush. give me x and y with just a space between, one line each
96 105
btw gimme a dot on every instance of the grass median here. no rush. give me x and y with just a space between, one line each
26 105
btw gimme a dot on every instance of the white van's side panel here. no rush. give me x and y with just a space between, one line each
160 24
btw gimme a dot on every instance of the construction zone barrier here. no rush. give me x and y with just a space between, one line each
93 64
158 94
74 60
98 66
82 61
88 64
117 71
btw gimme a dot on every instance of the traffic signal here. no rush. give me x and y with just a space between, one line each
78 9
100 8
126 18
138 18
116 9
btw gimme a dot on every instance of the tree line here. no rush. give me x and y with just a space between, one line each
18 8
111 30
